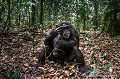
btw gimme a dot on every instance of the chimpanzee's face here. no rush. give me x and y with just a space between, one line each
66 34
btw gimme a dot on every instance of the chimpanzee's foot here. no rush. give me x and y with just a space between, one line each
37 65
85 69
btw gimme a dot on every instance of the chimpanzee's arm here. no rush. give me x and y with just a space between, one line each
49 39
74 39
68 44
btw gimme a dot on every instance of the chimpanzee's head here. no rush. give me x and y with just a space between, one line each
64 31
64 23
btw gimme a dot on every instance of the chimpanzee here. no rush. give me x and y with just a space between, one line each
62 51
62 44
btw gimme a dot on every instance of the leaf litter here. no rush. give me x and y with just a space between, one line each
102 56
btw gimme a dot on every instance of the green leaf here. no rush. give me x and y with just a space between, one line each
105 55
118 15
108 15
12 75
6 76
118 76
16 75
111 26
89 40
106 67
111 4
93 72
117 41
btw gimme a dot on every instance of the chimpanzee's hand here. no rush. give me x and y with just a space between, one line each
59 31
85 69
35 66
60 28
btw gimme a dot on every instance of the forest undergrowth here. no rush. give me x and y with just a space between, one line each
20 51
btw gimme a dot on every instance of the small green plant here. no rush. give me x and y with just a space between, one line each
106 67
93 72
12 75
105 55
118 41
89 40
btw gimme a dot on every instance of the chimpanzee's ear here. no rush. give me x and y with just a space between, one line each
57 26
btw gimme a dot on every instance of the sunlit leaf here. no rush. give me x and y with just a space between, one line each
31 3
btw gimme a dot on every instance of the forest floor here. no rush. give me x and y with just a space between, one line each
20 51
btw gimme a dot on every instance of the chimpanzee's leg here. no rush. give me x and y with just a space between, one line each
80 60
77 54
71 57
43 54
